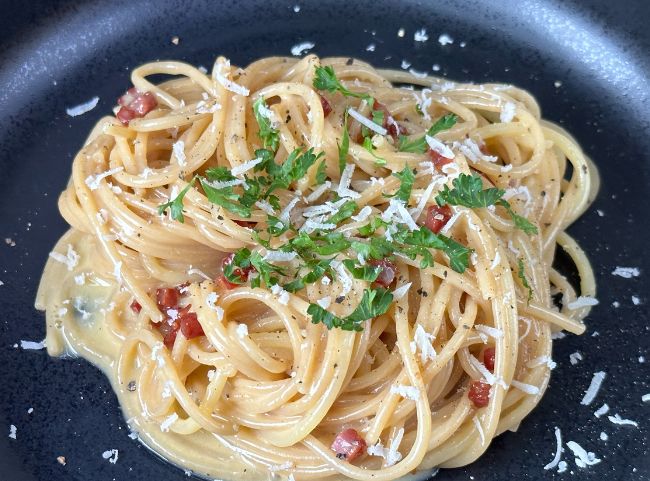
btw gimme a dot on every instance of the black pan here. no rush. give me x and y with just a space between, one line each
587 62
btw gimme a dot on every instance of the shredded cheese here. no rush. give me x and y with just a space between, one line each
617 419
92 181
626 272
583 458
300 48
594 386
407 392
439 147
367 122
582 301
82 108
558 450
602 410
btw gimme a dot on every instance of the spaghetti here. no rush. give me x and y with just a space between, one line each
317 269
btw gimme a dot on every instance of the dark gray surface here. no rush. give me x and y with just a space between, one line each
54 55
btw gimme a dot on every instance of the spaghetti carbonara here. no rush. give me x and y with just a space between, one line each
312 269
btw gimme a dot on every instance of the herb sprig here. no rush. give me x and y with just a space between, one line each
468 192
374 303
419 144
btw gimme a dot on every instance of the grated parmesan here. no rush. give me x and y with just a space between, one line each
245 167
280 256
594 386
527 388
167 423
422 342
439 147
71 259
324 302
575 358
300 48
583 458
12 431
242 331
507 112
111 455
420 35
407 392
617 419
178 148
582 301
92 181
493 332
363 214
32 345
401 291
367 122
445 39
626 272
558 450
227 83
602 410
82 108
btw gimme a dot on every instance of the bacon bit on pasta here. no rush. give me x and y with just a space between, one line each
167 297
488 358
327 107
135 306
169 330
348 445
479 393
437 217
387 274
438 160
243 274
190 326
245 223
390 124
135 104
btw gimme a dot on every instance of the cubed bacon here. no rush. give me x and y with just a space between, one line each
438 160
190 326
387 274
135 306
479 393
169 330
327 107
488 358
349 445
241 273
437 217
245 223
390 124
167 298
135 104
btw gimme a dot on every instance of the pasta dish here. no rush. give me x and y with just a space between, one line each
314 269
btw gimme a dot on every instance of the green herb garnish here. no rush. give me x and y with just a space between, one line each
269 136
175 205
374 303
419 144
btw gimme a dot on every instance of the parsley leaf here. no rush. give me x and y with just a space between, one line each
270 137
324 245
365 273
374 303
344 146
367 144
419 145
321 175
377 248
521 273
176 204
325 79
292 169
520 221
407 179
372 226
225 197
318 270
424 238
239 263
345 212
265 270
468 191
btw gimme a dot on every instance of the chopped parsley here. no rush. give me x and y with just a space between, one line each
269 136
374 303
325 79
419 144
175 205
367 144
365 273
521 273
407 179
468 192
344 146
293 168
